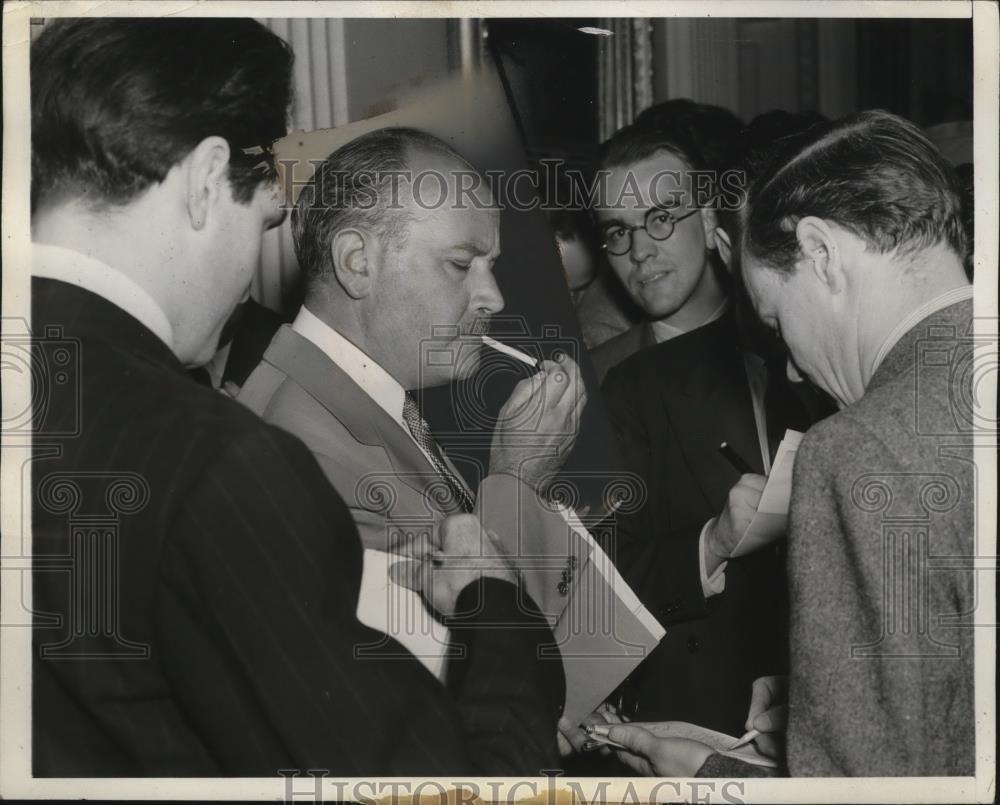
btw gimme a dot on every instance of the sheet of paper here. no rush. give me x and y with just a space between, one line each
610 573
400 613
603 633
771 519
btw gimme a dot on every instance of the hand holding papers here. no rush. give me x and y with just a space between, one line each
396 610
602 630
642 736
771 519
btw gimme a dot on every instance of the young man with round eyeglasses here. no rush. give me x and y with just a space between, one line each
676 387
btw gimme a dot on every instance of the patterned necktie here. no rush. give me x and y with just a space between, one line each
422 435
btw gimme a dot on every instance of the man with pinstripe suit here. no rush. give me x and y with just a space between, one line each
195 576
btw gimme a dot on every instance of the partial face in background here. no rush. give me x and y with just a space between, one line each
662 276
435 290
578 263
218 275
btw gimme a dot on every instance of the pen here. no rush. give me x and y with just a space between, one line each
747 738
735 459
506 350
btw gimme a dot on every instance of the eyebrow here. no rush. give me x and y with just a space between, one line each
648 210
470 246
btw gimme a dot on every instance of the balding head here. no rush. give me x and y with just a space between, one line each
378 183
397 236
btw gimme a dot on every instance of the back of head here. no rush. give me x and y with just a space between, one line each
116 102
872 173
767 133
702 135
358 185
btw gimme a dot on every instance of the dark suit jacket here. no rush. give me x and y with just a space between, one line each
671 406
604 357
195 584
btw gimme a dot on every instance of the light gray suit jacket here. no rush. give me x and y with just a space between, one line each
389 485
883 606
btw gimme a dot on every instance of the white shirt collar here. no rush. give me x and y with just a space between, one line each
662 331
947 299
74 268
375 381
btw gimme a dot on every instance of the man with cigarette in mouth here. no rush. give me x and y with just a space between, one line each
398 295
195 578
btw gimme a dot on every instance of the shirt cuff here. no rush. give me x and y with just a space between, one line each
717 583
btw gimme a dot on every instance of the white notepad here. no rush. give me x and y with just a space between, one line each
771 518
400 613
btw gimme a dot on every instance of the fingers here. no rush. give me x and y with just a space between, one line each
773 720
522 395
461 535
772 746
767 692
418 545
610 714
747 491
573 734
637 740
760 700
565 747
752 480
409 573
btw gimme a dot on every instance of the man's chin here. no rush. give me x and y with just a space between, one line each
656 309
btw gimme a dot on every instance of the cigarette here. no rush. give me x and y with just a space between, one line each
506 350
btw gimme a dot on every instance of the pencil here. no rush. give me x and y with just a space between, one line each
735 459
744 740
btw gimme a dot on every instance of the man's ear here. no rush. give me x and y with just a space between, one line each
820 252
352 253
207 178
724 246
709 223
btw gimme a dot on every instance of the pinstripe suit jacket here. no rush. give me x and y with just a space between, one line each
195 582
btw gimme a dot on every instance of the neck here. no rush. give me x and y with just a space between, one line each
343 315
101 236
897 288
145 258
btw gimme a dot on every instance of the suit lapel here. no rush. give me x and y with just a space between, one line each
708 401
306 364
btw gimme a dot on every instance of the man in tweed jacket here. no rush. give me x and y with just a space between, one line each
852 250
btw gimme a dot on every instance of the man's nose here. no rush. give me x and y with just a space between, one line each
487 299
643 246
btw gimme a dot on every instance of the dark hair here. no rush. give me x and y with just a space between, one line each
758 140
702 135
872 173
117 102
354 187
